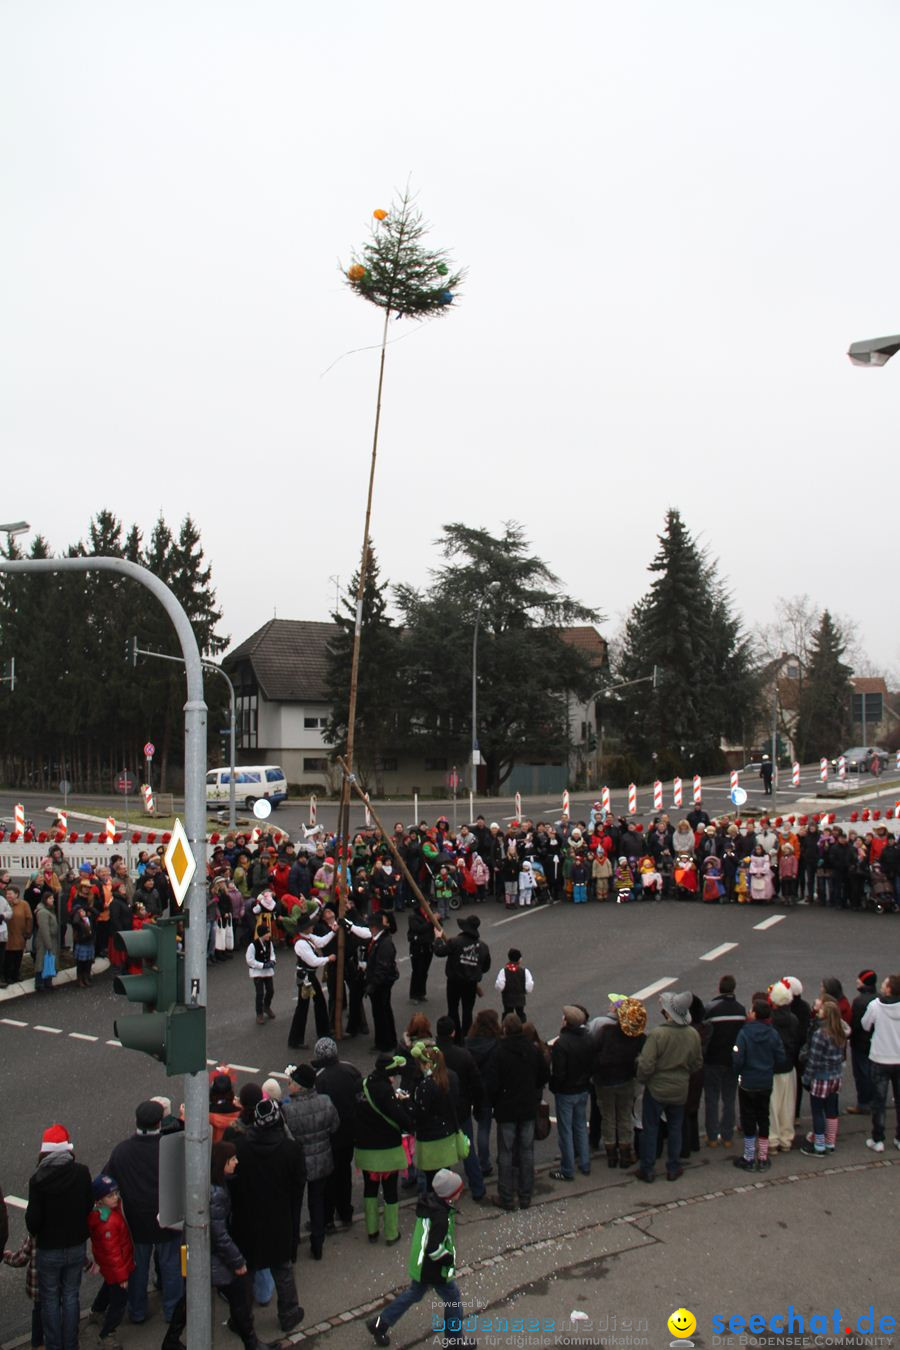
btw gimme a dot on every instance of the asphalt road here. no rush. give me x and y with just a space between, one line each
57 1062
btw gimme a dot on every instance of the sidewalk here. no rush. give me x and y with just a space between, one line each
624 1255
63 977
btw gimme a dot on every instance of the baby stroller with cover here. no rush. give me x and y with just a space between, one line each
541 886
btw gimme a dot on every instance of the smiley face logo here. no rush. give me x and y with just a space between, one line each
682 1323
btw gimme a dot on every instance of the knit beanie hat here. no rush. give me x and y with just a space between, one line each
632 1016
148 1116
867 979
677 1006
574 1017
325 1049
272 1090
780 994
103 1185
304 1075
55 1139
448 1185
266 1115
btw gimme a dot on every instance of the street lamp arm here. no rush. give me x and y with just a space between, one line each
626 684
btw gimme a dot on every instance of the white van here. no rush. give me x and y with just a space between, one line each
250 783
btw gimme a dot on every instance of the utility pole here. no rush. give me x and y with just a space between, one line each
196 1104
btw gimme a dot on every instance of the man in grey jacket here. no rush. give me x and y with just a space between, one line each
312 1119
671 1053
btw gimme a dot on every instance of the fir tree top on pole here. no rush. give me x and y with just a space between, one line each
397 272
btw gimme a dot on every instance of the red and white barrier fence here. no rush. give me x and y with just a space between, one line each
676 791
698 789
657 795
632 799
842 767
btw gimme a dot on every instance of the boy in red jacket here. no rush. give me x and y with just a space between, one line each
114 1254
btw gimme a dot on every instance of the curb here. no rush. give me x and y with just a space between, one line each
24 987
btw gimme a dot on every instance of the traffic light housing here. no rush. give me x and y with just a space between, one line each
167 1029
131 650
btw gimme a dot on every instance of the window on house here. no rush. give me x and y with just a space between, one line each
315 764
793 671
311 722
388 765
438 764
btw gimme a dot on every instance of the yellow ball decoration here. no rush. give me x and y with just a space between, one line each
356 272
379 214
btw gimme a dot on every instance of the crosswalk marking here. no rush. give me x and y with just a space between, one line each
716 952
771 921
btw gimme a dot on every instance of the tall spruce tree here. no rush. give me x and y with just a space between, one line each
376 707
526 669
706 683
824 713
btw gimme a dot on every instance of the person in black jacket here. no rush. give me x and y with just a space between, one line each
266 1193
468 958
617 1041
134 1164
340 1081
420 935
571 1062
60 1199
470 1100
382 1118
517 1072
860 1040
724 1018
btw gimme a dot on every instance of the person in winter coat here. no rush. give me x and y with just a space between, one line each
260 957
266 1192
134 1166
311 1120
724 1017
761 888
381 974
860 1039
382 1119
617 1041
782 1103
19 925
570 1080
822 1074
46 947
223 1109
482 1041
59 1202
469 1099
601 873
420 935
341 1082
516 1074
832 988
671 1053
758 1055
468 958
434 1101
113 1252
83 943
432 1265
882 1018
514 982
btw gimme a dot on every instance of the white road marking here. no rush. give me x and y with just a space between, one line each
117 1044
526 909
770 922
243 1068
276 1073
82 1036
11 1022
655 988
52 1031
718 951
16 1201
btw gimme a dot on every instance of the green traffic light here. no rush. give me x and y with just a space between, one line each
167 1030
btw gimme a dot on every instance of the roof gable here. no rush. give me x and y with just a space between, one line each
289 659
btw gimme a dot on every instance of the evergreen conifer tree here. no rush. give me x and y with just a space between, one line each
824 713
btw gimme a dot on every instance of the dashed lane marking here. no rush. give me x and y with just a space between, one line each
716 952
243 1068
82 1036
655 988
770 922
11 1022
526 909
51 1031
116 1044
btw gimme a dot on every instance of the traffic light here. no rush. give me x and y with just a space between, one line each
131 650
167 1029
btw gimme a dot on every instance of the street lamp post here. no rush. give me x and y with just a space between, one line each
196 1117
476 753
874 351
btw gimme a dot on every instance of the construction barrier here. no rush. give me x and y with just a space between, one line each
632 799
657 795
565 802
676 791
698 789
795 774
604 800
823 770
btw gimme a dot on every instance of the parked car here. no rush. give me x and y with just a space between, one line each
863 759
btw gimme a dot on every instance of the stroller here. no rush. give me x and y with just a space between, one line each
541 887
881 892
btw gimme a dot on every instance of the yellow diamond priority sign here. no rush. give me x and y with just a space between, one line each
180 864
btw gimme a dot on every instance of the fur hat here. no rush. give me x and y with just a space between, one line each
780 994
794 985
677 1007
632 1016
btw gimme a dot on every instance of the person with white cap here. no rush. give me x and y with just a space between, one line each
60 1198
432 1263
671 1053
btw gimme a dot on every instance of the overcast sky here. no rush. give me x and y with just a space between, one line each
675 215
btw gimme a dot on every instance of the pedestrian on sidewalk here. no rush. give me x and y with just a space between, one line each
618 1040
59 1202
882 1018
113 1253
783 1102
860 1041
432 1264
724 1017
571 1062
822 1076
261 962
671 1053
758 1055
515 1078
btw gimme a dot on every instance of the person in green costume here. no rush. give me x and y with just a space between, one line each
382 1119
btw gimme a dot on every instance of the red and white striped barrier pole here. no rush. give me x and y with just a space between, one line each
898 761
313 811
842 766
698 789
19 815
566 802
795 773
735 779
632 799
518 805
604 800
657 795
823 770
62 819
149 803
110 827
368 816
676 791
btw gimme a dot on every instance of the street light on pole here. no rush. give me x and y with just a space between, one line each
874 351
196 1108
476 753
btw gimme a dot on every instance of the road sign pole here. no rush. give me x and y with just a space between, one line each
196 1107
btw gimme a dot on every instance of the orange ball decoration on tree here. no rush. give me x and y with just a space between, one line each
356 272
379 214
